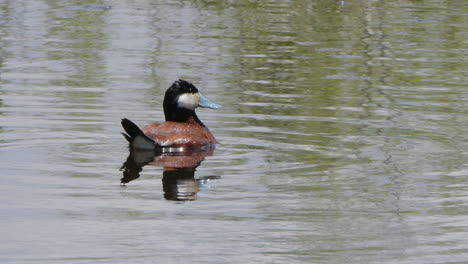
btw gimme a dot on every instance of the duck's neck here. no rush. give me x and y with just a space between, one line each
182 115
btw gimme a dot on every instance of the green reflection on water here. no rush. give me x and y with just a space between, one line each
82 39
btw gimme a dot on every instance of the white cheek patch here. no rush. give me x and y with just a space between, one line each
189 101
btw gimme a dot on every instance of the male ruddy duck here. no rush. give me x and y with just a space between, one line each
182 130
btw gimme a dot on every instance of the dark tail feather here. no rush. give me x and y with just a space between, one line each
132 129
135 136
127 137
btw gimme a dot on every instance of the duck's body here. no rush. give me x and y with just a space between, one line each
177 134
182 129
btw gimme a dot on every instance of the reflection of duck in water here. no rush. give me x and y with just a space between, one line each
178 145
182 129
179 182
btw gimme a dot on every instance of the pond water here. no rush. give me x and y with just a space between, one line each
343 136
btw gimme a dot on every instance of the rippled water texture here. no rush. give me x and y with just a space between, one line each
343 136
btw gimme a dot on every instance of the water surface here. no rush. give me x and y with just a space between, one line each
343 136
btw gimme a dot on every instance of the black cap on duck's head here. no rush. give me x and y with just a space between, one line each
181 100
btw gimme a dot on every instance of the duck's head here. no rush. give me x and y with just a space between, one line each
181 100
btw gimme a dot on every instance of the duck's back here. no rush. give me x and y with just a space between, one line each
179 134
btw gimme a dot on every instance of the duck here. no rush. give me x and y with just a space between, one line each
182 129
